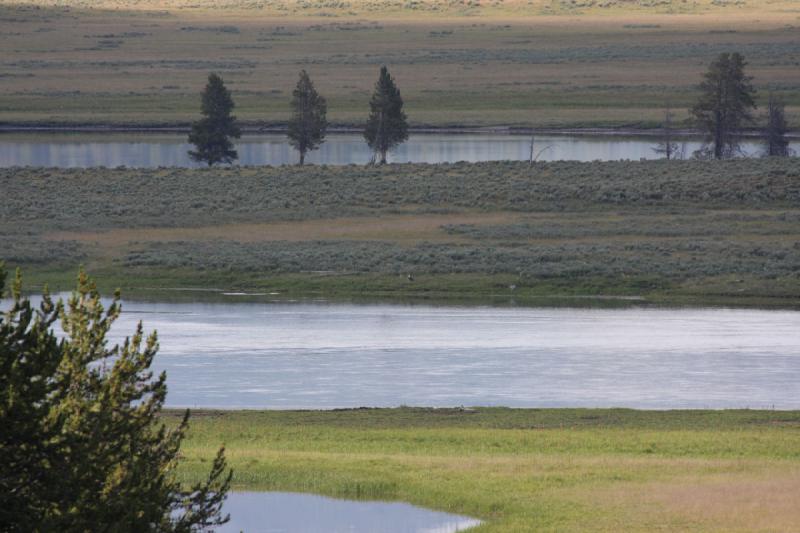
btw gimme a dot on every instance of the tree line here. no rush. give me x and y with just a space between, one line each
386 126
723 111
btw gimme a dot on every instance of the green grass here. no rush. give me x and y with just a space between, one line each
182 284
518 469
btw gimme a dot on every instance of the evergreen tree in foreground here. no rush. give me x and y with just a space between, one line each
775 142
81 444
725 104
308 124
386 125
211 135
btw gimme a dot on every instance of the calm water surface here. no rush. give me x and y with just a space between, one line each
287 512
154 150
318 355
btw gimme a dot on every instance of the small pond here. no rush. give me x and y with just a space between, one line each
288 512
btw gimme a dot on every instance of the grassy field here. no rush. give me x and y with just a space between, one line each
545 63
699 231
526 470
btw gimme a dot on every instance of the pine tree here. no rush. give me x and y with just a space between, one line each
775 142
211 135
308 124
725 104
386 126
81 445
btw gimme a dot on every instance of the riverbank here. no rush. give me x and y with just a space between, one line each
452 289
524 469
281 128
661 231
635 130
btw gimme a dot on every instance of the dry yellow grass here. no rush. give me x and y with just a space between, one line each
132 62
767 500
427 8
407 229
410 228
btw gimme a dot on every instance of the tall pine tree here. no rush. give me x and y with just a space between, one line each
82 447
386 126
211 135
308 124
727 98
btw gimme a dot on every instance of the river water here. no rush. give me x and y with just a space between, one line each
323 355
154 150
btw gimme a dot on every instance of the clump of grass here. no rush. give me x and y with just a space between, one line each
681 260
29 250
212 29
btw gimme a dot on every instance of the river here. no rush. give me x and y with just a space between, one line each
170 150
280 355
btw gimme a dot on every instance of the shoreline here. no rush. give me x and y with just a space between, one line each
170 411
252 129
438 290
618 415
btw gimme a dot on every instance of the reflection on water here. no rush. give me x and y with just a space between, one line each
284 355
286 512
154 150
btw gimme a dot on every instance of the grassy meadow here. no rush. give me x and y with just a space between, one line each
540 63
525 469
678 231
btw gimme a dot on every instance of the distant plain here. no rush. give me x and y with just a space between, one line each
540 63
